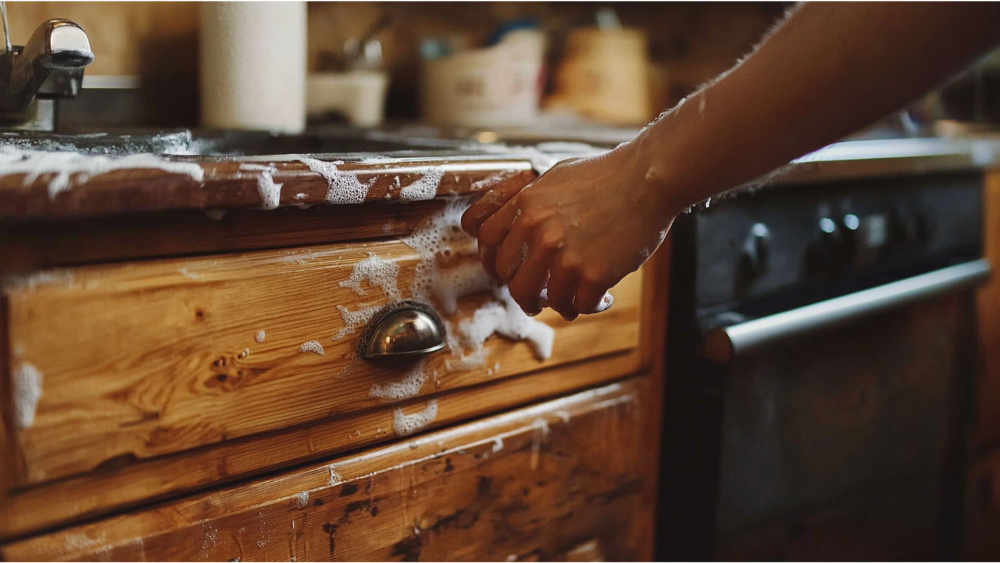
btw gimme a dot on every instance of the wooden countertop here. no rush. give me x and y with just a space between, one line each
100 187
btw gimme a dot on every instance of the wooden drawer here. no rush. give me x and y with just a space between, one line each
566 479
146 379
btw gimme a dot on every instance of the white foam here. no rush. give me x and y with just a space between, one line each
491 181
405 424
442 235
342 187
335 477
506 318
27 392
383 274
408 386
302 499
260 336
312 346
424 188
497 444
269 192
68 168
353 319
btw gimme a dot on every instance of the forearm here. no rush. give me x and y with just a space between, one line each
827 71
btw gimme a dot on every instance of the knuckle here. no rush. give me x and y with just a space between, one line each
591 278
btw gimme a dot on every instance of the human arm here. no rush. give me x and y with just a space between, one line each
829 69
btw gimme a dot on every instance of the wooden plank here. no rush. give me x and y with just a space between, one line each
536 483
146 359
986 431
37 245
100 492
230 184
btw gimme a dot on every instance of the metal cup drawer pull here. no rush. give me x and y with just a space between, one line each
407 328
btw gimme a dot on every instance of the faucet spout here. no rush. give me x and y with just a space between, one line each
57 45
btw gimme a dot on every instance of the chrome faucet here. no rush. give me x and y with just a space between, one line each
49 66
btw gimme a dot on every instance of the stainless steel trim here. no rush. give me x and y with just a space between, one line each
724 344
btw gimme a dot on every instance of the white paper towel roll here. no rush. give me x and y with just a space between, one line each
253 65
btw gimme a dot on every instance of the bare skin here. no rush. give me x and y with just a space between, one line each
828 70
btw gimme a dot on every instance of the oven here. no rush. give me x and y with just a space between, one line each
820 365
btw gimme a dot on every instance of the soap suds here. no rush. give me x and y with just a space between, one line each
441 235
68 168
424 188
497 444
493 180
353 319
353 360
260 336
342 187
505 318
380 273
312 346
408 386
302 499
335 477
405 424
269 192
27 392
244 353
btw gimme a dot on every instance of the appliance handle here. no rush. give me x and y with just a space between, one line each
724 344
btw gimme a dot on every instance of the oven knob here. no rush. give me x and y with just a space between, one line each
756 248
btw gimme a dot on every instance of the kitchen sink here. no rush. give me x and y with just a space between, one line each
225 143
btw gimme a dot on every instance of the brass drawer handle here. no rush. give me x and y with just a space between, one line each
407 328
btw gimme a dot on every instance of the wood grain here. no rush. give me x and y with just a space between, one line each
115 487
38 245
986 432
228 184
145 359
535 483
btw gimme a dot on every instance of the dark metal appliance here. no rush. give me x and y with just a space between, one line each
821 351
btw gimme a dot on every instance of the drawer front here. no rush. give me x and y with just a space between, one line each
538 483
113 364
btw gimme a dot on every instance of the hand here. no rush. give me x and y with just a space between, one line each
577 230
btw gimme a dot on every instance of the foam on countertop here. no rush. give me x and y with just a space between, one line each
66 167
342 187
423 188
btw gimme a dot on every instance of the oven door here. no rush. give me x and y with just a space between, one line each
848 444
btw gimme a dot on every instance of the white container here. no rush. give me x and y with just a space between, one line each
498 86
253 65
359 95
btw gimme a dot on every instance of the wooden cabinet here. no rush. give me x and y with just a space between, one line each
181 388
563 478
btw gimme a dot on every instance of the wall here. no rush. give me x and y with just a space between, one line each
693 41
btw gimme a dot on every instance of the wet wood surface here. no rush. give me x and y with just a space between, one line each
559 480
233 184
154 358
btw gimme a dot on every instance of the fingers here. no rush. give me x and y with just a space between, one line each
526 287
491 202
492 234
561 291
590 296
